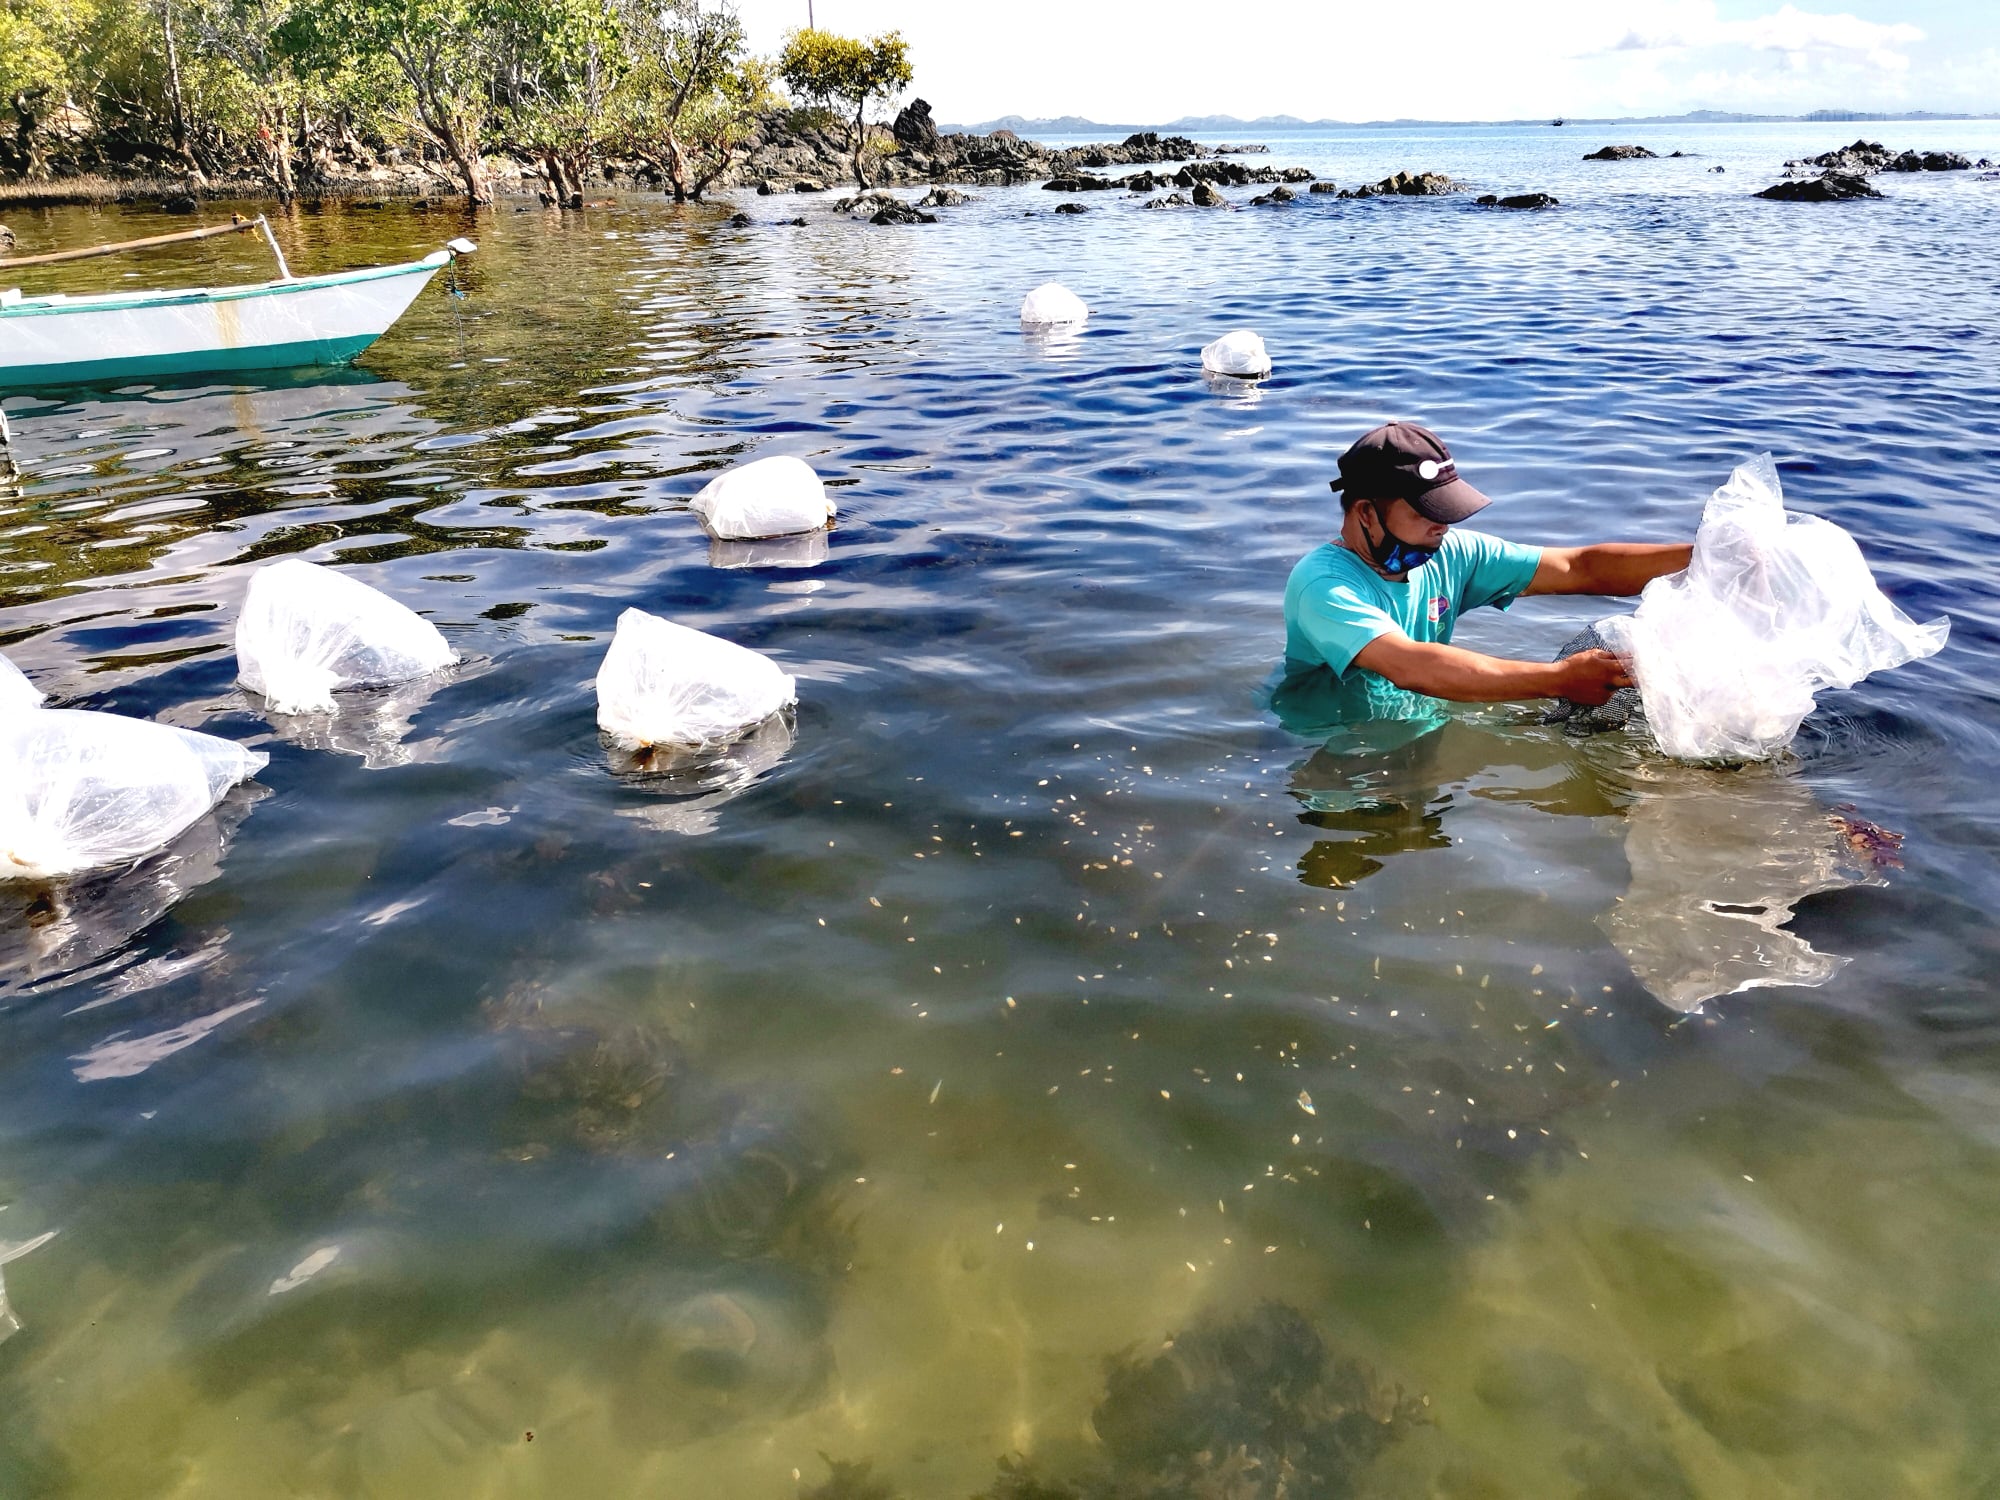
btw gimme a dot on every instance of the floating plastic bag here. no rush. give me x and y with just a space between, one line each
1052 302
1773 608
83 791
16 692
777 496
1241 353
306 631
664 684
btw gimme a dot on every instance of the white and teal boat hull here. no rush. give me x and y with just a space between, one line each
270 325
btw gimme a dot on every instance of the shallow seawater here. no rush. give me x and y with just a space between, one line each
455 1113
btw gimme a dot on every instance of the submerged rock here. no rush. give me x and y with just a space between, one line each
1324 187
1834 187
1080 182
1072 208
899 212
943 197
1205 196
1407 185
1620 153
1276 195
1622 710
1930 161
1518 200
1172 200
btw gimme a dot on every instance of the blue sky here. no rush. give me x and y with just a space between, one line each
1430 59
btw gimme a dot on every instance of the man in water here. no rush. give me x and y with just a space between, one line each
1376 606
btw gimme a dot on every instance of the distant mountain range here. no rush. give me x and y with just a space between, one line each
1230 125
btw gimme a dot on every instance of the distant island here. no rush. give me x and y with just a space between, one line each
1077 125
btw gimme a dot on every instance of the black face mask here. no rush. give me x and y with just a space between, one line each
1394 555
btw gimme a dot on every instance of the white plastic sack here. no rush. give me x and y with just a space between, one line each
306 631
84 791
1052 302
1773 608
665 684
1241 353
16 692
772 497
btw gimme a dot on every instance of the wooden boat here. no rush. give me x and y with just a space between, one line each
285 323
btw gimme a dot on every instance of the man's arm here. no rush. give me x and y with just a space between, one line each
1608 567
1441 671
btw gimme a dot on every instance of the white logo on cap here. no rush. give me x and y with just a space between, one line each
1428 469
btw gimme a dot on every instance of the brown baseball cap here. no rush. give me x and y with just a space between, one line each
1402 461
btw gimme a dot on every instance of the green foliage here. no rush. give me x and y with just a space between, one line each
838 72
693 96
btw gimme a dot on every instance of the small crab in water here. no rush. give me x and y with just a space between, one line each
1869 842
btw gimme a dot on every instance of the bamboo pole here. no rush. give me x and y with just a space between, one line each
237 226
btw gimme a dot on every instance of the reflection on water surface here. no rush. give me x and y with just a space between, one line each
1033 1068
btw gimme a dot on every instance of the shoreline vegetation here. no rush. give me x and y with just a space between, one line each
173 102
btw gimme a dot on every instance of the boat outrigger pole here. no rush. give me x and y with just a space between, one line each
236 225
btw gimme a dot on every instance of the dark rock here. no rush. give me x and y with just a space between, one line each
739 221
1172 200
1242 150
1857 160
1297 174
1620 153
1081 182
1930 161
914 129
1140 182
763 190
798 223
1150 145
1623 709
895 211
1715 169
1205 196
1518 200
1324 187
1005 135
943 197
1072 208
807 185
1276 195
183 203
1834 187
1406 185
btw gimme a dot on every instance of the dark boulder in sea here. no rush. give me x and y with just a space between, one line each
895 211
182 203
1072 208
1172 200
1240 150
1620 153
1834 187
1518 200
914 129
1080 182
1205 196
943 197
1407 185
1150 145
1324 187
1930 161
1857 160
740 221
807 185
1276 195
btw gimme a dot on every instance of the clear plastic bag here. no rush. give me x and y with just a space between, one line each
16 692
1773 608
306 631
1241 354
85 791
1052 302
664 684
778 496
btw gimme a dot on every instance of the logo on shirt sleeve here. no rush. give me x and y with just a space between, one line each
1439 608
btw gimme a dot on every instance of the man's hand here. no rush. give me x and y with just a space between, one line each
1591 677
